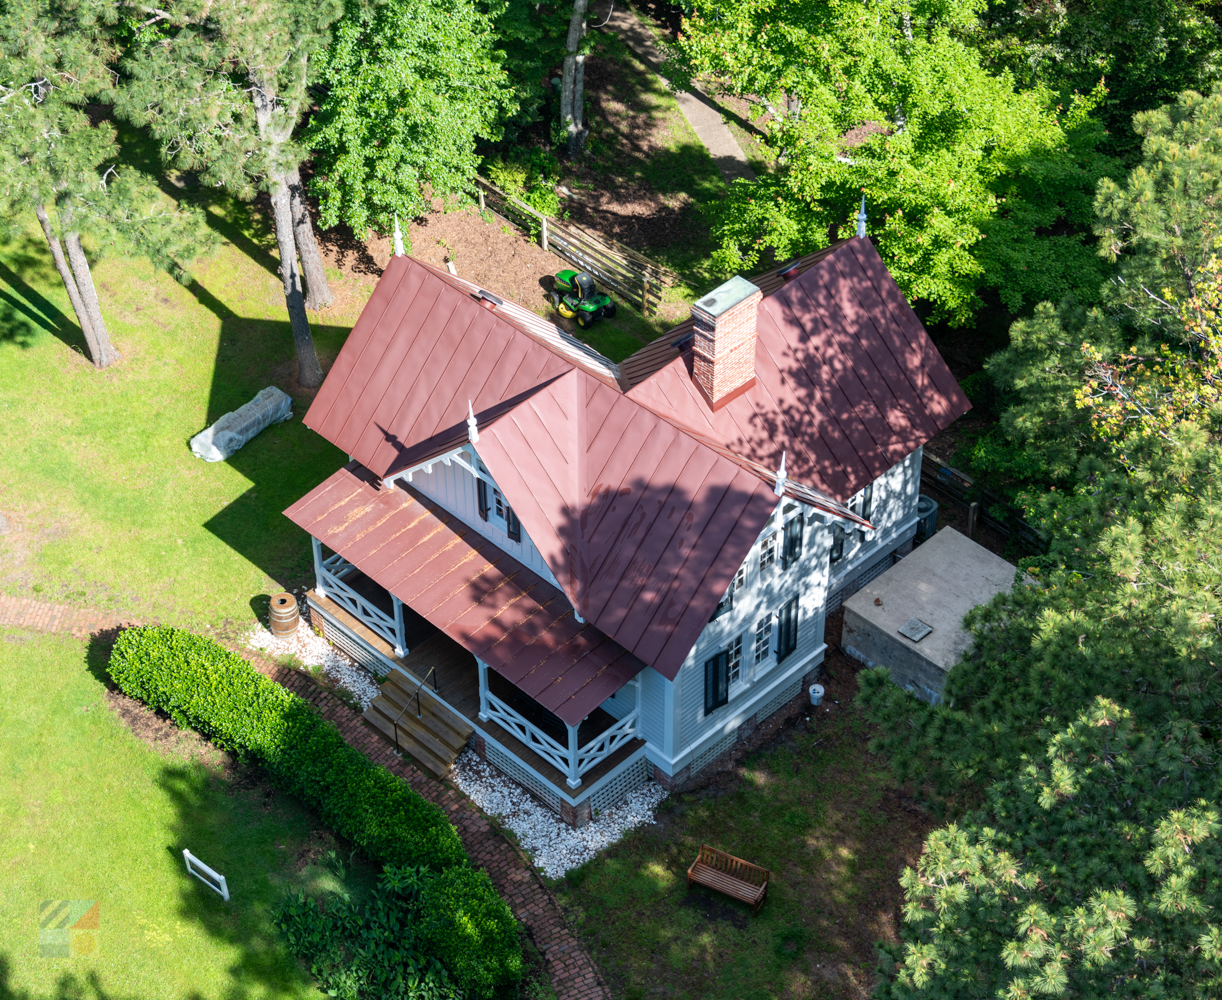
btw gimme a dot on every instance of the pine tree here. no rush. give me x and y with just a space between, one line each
223 86
56 165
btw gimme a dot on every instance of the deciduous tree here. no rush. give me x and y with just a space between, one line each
970 183
410 88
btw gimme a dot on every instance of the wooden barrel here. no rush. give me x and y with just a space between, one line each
285 616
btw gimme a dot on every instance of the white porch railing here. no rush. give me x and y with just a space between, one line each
573 760
606 743
329 582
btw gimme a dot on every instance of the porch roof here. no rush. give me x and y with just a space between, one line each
505 614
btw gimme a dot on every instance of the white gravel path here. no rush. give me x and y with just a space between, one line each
554 846
314 651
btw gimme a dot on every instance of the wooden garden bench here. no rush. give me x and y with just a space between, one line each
732 876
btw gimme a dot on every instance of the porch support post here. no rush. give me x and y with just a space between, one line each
483 690
400 636
573 780
318 587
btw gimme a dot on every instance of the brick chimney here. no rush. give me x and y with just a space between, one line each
723 348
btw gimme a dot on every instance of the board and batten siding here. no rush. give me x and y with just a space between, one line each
453 488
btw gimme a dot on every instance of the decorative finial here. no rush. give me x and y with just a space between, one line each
779 486
398 237
472 427
861 219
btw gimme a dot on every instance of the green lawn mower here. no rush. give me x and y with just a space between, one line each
575 297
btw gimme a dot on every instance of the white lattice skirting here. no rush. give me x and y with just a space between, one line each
509 765
622 785
713 751
786 694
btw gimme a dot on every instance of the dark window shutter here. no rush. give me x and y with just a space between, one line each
716 681
837 542
724 605
513 527
867 501
481 491
793 542
787 629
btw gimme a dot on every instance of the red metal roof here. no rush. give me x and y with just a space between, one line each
643 525
422 348
847 380
505 614
642 502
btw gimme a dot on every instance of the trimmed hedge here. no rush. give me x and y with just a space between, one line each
204 686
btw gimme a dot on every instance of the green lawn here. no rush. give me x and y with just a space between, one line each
90 812
104 503
816 810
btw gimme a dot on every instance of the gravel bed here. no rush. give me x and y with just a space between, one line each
554 846
314 651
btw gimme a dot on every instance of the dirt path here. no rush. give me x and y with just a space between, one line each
572 972
703 115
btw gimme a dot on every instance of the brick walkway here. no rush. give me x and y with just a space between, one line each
572 972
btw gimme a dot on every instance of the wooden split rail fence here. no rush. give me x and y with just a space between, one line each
630 275
993 510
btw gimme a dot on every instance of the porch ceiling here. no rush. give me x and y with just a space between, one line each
505 614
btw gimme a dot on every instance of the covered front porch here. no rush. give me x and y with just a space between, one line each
470 642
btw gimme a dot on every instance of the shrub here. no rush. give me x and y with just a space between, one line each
204 686
464 924
375 950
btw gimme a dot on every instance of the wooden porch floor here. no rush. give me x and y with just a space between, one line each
457 677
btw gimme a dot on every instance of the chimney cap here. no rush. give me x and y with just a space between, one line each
725 296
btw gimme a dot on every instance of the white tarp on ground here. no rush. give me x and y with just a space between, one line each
234 429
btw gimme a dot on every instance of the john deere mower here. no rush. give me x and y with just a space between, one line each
575 297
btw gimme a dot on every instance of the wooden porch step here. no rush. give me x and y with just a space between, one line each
450 727
434 739
412 739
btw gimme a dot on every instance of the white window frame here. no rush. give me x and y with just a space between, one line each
761 650
735 649
767 552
